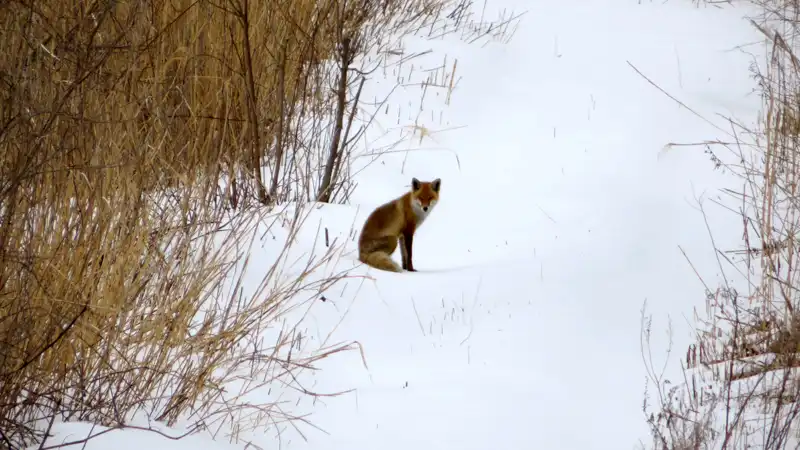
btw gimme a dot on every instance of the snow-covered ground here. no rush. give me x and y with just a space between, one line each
560 216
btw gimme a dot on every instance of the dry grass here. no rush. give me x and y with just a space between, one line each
132 134
741 387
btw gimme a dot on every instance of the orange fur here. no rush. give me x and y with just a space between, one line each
395 221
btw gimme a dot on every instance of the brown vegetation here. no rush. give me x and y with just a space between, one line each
741 387
131 134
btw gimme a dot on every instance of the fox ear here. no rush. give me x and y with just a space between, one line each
415 184
436 184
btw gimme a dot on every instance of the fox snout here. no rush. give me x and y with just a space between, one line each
424 204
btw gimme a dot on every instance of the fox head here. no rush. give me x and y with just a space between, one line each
425 194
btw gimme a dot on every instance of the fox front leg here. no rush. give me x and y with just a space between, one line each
405 248
403 252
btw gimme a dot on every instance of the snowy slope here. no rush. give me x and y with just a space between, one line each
562 215
570 215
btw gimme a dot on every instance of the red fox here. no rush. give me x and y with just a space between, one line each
397 219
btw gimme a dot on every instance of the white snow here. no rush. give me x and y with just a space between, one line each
562 213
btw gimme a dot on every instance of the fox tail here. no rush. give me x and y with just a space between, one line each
380 260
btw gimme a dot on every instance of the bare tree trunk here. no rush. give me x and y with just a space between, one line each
279 141
324 194
251 106
345 141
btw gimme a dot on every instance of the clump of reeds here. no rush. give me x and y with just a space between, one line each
742 388
131 135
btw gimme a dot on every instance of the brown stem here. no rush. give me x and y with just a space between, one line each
324 194
279 142
251 105
350 119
